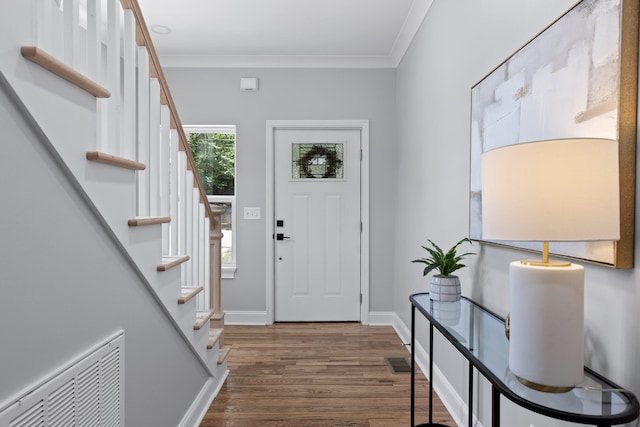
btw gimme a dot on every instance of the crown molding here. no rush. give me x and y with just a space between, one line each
417 12
275 61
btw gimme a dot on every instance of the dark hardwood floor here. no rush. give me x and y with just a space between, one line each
317 374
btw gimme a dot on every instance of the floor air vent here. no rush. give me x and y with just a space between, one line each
398 365
87 393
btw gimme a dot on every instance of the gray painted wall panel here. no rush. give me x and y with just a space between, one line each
213 96
458 44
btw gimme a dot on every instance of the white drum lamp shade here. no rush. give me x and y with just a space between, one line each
556 190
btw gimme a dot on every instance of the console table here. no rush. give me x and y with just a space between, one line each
478 334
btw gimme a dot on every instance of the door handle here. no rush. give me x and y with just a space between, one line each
281 236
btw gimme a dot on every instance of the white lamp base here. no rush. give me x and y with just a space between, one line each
546 350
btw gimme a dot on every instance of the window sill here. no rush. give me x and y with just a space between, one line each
229 271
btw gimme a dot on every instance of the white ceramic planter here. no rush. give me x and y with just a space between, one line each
446 313
445 288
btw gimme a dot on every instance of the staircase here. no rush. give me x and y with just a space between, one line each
91 79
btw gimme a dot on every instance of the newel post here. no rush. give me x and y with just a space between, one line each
215 266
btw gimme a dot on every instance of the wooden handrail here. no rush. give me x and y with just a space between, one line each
143 38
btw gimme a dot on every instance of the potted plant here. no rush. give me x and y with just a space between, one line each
444 286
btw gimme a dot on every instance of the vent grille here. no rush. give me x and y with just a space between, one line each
398 365
61 407
32 417
87 393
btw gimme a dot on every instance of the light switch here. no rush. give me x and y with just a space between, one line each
251 213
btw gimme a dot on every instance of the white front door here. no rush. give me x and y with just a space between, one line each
317 225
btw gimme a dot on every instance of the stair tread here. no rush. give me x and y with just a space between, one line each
202 317
148 220
218 316
110 159
214 336
64 71
188 292
171 261
223 353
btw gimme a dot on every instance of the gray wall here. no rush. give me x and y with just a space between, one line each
66 287
459 43
213 96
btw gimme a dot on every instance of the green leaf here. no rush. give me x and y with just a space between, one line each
445 263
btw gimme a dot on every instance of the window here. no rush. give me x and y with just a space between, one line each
214 151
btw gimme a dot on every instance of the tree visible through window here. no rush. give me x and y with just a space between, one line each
215 157
214 152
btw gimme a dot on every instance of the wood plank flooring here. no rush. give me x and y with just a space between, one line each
317 375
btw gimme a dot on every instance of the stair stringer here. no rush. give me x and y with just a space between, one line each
32 261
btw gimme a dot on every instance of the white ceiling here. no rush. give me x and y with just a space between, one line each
284 33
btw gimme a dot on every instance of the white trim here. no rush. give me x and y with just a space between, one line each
448 395
210 129
258 318
198 409
229 271
380 318
275 61
363 127
417 12
410 27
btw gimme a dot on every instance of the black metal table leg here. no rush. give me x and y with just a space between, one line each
430 373
470 395
495 407
413 363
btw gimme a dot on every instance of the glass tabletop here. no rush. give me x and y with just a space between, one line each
480 336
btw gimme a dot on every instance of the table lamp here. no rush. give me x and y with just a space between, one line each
554 190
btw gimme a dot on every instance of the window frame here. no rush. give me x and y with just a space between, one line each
228 269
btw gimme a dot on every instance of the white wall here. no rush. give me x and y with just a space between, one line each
213 96
458 44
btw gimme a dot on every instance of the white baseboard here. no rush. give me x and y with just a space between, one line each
448 395
200 405
245 318
381 318
260 318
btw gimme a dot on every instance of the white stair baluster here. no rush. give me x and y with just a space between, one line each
71 16
154 148
173 192
165 177
182 212
143 131
189 228
44 24
102 71
206 260
195 242
202 243
113 142
94 41
129 84
57 32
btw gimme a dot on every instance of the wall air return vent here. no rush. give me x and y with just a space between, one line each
88 392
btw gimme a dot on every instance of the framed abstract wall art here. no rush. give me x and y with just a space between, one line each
577 78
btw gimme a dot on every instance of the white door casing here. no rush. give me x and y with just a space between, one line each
306 304
317 213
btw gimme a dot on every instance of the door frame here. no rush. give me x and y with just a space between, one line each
363 127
